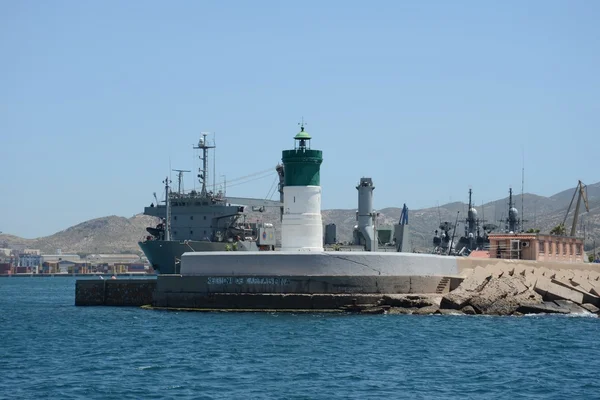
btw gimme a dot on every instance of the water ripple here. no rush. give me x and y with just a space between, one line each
51 349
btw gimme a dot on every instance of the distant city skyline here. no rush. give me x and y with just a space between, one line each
100 100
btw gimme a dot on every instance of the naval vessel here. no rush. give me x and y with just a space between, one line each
476 231
203 221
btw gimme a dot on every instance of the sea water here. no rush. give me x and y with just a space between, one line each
51 349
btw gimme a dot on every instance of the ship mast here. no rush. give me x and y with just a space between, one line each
513 222
203 175
471 221
168 207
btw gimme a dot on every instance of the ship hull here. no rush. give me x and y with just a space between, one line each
165 256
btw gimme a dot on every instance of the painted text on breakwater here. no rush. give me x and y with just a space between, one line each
230 280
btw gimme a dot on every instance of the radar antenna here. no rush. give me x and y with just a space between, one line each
180 173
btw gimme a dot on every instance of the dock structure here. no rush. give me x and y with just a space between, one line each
321 282
279 281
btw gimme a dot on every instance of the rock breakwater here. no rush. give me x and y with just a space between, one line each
504 290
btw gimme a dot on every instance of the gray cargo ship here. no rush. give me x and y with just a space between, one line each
202 221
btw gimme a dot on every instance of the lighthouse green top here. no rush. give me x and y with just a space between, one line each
302 135
302 165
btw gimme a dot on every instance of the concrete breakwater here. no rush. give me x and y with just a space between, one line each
290 292
114 292
498 289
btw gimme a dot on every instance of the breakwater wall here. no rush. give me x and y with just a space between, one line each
289 292
258 292
114 292
367 282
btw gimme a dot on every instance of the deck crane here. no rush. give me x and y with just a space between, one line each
582 190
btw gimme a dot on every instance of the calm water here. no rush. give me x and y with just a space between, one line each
51 349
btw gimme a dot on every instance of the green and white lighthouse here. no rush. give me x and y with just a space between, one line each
302 226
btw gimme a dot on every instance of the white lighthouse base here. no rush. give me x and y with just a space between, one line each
302 225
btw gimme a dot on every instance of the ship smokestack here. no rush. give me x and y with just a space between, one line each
366 217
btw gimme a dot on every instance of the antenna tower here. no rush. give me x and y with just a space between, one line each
167 181
523 193
203 171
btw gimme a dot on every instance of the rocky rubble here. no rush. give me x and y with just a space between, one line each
517 290
503 290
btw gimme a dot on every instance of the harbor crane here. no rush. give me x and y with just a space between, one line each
580 189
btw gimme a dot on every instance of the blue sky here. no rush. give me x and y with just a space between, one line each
427 98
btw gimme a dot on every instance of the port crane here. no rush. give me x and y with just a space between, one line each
580 189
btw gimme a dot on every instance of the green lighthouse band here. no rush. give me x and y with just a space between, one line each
302 167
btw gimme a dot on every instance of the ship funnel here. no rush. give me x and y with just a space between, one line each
365 216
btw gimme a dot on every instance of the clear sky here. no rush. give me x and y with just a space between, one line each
426 97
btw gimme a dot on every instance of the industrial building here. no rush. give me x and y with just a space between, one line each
536 247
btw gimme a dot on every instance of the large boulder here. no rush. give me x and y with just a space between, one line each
552 291
407 301
401 310
508 270
518 270
591 308
475 281
543 271
468 288
466 272
426 310
587 297
546 307
581 283
510 304
468 310
593 275
571 307
456 299
495 270
530 280
595 288
564 274
499 296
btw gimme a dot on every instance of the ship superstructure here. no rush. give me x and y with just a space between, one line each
476 231
513 222
202 221
475 235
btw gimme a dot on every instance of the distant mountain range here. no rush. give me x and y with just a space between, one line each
120 235
101 235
